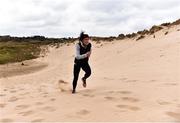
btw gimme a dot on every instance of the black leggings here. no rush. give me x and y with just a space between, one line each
77 66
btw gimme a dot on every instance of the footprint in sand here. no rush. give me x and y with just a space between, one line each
13 91
88 91
110 98
38 120
131 81
21 89
19 107
26 113
6 120
87 95
132 108
11 88
2 95
52 99
110 92
123 79
62 82
121 92
171 84
125 92
63 86
106 78
13 99
39 103
174 115
5 89
151 81
48 108
2 105
45 94
163 102
24 93
83 112
130 99
162 55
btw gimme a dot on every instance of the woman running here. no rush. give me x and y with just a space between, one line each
83 52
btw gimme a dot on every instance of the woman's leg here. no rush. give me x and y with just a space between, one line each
87 70
76 75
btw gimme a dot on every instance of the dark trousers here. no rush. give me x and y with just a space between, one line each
77 66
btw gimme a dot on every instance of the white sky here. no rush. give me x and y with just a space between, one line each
64 18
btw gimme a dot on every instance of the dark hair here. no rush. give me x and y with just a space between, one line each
83 36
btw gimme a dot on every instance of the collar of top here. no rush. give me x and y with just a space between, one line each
83 45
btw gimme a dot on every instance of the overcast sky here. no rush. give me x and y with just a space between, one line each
64 18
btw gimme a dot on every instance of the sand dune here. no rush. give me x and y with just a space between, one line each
26 67
131 81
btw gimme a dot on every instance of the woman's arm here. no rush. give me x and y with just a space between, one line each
90 51
78 56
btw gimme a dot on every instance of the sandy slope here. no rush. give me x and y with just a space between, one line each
131 81
29 66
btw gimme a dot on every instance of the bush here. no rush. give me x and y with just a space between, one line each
141 37
17 52
155 29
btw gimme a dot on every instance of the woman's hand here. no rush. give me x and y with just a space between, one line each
88 54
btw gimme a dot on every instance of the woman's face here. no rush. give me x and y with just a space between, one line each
86 41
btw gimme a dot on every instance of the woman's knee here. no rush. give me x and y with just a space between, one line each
89 72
